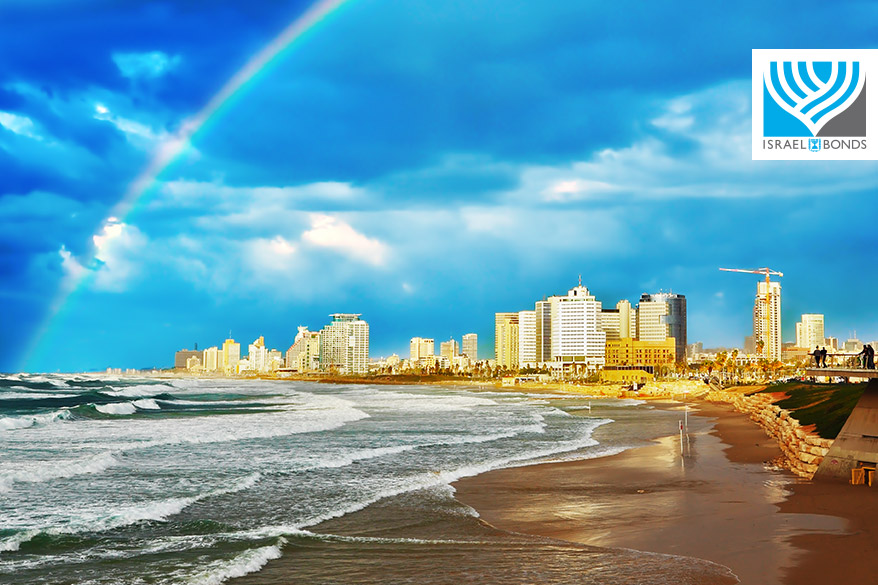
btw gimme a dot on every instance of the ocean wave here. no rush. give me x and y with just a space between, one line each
117 408
426 480
406 401
146 404
30 395
28 420
242 564
47 471
135 391
157 511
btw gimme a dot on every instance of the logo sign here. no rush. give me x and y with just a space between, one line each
814 105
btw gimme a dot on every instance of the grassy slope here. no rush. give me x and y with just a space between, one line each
826 406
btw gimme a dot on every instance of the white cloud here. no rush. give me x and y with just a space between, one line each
130 128
145 65
704 152
117 249
21 125
332 233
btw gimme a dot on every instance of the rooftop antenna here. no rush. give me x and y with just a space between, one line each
580 280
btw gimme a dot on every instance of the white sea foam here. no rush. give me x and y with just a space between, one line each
247 562
159 511
51 470
35 395
428 480
404 401
118 408
28 420
146 404
136 391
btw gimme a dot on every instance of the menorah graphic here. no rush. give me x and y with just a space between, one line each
811 98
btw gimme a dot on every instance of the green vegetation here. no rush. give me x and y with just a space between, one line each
826 406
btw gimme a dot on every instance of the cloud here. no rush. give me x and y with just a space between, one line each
117 258
21 125
145 65
334 234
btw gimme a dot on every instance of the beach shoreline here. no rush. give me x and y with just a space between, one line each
724 500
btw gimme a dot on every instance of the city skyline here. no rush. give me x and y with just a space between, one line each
424 164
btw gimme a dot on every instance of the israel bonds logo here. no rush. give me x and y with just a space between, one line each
812 104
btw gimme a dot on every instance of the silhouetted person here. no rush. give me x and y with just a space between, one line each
870 357
823 353
816 355
864 356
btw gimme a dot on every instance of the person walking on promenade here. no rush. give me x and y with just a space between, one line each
870 357
816 355
823 353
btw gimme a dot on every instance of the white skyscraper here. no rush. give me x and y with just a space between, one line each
810 332
211 359
621 322
578 342
470 346
257 355
527 338
344 344
766 319
449 349
421 347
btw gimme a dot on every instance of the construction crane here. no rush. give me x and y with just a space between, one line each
766 330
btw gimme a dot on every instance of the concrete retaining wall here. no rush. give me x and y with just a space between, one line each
803 450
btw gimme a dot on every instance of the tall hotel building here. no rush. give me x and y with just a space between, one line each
231 356
470 346
766 319
421 347
578 341
344 344
661 316
506 339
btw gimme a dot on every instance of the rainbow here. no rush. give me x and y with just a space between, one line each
177 144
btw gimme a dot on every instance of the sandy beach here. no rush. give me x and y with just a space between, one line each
720 500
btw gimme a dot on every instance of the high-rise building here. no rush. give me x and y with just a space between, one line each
578 342
766 319
809 331
506 339
527 338
211 359
470 346
449 349
257 355
181 358
663 315
231 356
344 344
304 354
421 347
621 322
543 328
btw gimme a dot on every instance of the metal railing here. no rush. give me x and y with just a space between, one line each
847 361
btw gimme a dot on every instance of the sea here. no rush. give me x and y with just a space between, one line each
122 480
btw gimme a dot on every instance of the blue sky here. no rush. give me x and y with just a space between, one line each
423 163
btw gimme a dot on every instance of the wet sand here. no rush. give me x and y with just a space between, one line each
719 500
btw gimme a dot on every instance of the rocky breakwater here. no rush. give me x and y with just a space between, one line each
802 449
